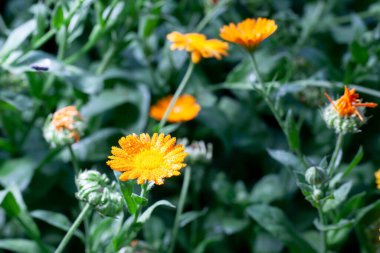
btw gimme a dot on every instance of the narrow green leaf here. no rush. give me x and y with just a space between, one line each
358 157
148 212
274 221
19 245
58 18
340 195
190 216
17 37
292 132
55 219
139 200
127 191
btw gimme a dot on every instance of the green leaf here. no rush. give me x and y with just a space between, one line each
344 223
285 158
9 203
231 225
267 189
148 212
292 132
17 37
105 101
55 219
147 24
276 223
359 53
58 18
127 191
358 157
13 204
18 172
19 245
201 247
340 195
139 200
190 216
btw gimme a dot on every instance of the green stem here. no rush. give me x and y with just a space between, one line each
323 233
338 146
263 91
106 60
73 228
181 203
177 93
129 236
74 160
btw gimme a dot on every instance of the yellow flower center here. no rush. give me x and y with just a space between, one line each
148 160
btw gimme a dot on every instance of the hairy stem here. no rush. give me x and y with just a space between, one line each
177 93
73 228
181 203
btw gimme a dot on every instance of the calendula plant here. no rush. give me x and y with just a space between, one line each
189 126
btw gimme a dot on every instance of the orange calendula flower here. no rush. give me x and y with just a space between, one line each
248 33
64 127
198 45
185 108
347 105
147 159
65 118
377 176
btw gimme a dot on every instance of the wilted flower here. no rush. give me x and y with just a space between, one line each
197 151
147 159
348 104
315 176
377 176
95 188
248 33
198 45
185 108
345 115
64 127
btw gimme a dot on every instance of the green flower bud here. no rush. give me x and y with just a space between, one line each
95 188
317 194
342 124
197 151
64 127
315 175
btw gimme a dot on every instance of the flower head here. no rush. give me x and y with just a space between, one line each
249 33
198 151
348 104
64 127
198 45
377 176
147 159
95 188
185 108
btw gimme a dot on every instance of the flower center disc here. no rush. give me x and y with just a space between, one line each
148 160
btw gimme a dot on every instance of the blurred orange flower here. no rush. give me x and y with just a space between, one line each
348 103
249 33
65 118
198 45
377 176
147 159
185 108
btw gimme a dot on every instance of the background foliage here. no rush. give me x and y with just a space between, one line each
112 60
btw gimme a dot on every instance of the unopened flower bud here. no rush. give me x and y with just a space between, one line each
317 194
341 124
315 175
64 127
197 151
95 188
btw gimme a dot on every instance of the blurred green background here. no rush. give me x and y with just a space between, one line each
117 63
